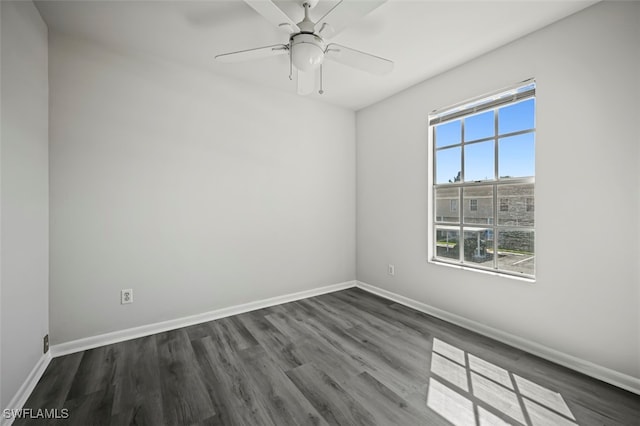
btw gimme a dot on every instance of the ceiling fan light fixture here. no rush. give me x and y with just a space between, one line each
307 52
307 47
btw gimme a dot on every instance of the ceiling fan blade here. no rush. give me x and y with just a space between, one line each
249 54
273 14
357 59
343 13
306 82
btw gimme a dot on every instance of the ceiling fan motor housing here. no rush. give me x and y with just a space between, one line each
307 51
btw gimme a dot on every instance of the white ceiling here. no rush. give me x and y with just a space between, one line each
423 38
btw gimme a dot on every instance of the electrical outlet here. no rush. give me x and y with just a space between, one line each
391 270
45 346
126 296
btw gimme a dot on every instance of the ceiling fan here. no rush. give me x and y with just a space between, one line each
307 47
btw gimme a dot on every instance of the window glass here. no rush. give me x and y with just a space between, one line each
447 205
516 156
448 163
516 117
448 133
479 204
447 243
516 251
479 159
479 126
478 247
520 203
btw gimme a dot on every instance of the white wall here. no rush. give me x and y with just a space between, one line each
585 301
24 202
196 191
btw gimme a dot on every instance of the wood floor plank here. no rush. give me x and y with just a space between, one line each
288 325
317 310
283 351
240 335
327 358
386 406
146 410
335 404
228 384
136 378
90 409
285 403
184 395
362 314
95 372
387 363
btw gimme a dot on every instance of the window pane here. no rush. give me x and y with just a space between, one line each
478 205
478 247
448 162
479 126
516 156
448 133
516 117
447 200
447 243
516 251
479 161
519 200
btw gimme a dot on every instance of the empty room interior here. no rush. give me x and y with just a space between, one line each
327 212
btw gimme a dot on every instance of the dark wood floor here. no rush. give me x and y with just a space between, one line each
346 358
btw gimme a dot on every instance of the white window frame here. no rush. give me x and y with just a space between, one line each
510 95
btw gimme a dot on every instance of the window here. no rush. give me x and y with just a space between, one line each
483 158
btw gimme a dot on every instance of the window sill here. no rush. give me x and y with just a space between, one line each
483 271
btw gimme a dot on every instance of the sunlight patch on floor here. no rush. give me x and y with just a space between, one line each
497 396
450 404
487 418
540 416
491 371
454 373
467 390
543 396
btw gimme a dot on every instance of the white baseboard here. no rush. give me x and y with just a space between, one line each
149 329
20 398
607 375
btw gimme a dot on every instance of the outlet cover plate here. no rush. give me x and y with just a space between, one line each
126 296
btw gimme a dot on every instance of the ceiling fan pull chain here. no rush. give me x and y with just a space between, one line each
321 91
290 64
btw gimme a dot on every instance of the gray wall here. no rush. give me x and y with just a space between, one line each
24 202
585 301
196 191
